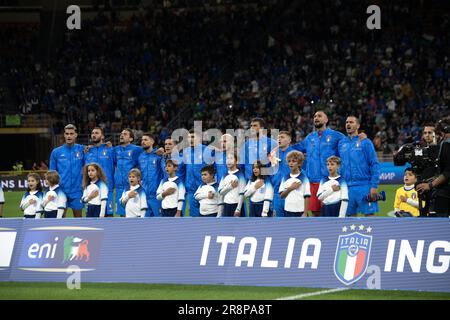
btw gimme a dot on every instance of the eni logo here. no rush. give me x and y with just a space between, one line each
75 248
55 248
46 250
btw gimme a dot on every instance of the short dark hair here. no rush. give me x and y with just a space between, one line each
130 131
261 121
443 126
210 169
195 133
150 135
353 116
321 111
172 162
99 128
410 169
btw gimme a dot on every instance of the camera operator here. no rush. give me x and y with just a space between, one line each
422 158
440 186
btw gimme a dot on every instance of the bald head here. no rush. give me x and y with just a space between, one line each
320 120
227 141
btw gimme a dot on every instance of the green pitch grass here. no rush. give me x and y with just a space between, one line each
127 291
12 201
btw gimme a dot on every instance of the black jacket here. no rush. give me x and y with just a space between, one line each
444 168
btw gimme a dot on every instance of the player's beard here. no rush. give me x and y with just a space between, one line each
319 125
146 148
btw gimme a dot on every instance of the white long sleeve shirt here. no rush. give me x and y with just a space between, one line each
232 195
59 202
137 206
32 209
326 194
174 200
263 194
208 206
295 200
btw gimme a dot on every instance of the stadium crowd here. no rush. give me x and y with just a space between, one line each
227 66
163 68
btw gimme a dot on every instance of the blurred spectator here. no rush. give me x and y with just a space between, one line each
42 166
18 167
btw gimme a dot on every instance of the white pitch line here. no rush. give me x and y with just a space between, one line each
300 296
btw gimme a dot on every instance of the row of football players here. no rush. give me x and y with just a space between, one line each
217 199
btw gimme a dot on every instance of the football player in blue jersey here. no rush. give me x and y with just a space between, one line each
103 155
195 158
68 161
171 153
318 146
360 168
150 165
256 148
126 155
280 169
220 156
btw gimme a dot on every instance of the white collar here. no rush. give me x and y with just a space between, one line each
92 182
54 187
233 172
172 179
333 178
295 175
211 183
34 192
408 188
135 187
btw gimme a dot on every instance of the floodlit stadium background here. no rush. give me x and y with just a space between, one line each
157 65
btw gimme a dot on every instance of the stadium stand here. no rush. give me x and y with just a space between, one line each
226 64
